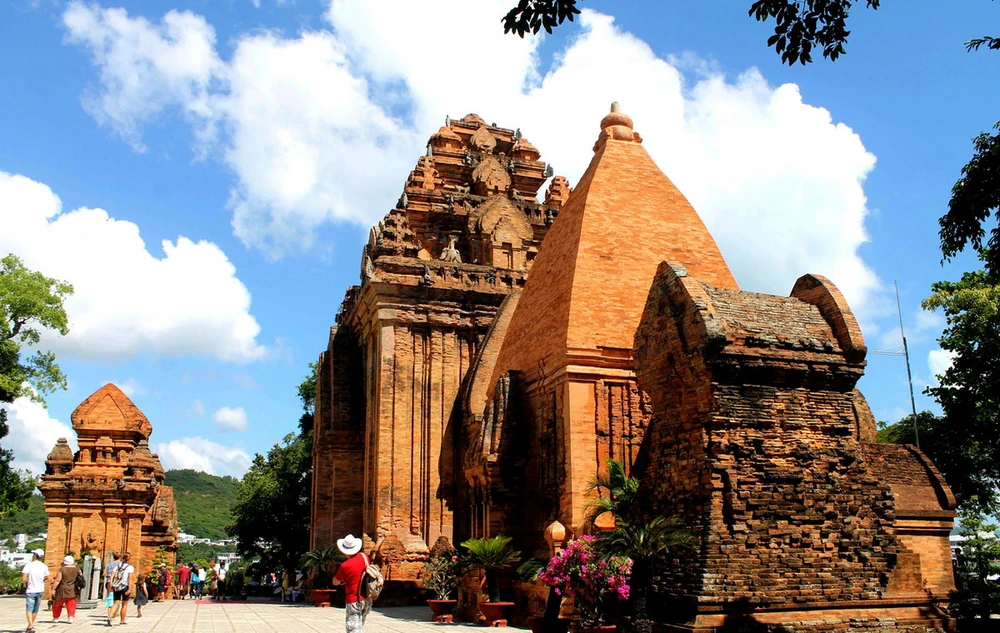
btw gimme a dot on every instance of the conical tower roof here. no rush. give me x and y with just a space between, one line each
589 283
108 410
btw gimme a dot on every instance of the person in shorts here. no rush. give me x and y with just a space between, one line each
120 584
349 574
34 574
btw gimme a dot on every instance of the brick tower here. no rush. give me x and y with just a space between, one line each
434 272
110 495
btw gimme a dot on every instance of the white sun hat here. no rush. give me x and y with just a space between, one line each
349 545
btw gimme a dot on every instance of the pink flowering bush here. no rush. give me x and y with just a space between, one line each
441 575
593 581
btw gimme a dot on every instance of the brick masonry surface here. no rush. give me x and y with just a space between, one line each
499 350
109 496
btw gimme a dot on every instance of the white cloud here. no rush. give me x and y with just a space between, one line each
246 381
33 433
145 68
197 409
229 419
939 361
324 126
197 453
131 388
127 299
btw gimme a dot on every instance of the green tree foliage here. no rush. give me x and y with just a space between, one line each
616 492
31 520
967 392
307 394
969 470
974 198
204 502
799 25
271 515
978 595
29 303
200 553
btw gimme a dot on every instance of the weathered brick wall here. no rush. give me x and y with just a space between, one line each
755 444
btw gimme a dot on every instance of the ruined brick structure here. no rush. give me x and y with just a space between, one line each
109 496
630 339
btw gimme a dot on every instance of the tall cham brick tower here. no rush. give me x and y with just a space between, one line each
434 273
110 495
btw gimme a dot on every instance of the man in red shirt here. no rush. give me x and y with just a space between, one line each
183 578
349 574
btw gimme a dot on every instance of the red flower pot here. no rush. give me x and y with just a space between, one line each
323 597
441 610
495 612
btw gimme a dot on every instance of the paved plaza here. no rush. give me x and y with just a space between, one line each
229 617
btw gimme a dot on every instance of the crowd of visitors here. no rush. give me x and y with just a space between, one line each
120 583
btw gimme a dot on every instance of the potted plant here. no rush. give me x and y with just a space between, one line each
441 577
530 571
491 555
592 580
642 543
320 561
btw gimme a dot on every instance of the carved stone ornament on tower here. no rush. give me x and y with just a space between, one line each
109 496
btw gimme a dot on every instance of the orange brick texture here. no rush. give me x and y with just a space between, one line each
436 269
755 442
109 496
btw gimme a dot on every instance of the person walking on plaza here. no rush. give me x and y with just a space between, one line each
109 594
162 580
33 575
213 580
220 575
141 594
349 574
183 579
202 579
64 589
120 583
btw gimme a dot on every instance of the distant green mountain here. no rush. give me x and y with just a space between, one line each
30 522
204 504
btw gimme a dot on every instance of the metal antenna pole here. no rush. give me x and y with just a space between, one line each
909 376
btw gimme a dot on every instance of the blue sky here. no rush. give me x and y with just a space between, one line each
205 172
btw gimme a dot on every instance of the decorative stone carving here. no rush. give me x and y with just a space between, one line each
450 253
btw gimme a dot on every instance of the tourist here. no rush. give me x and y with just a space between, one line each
109 594
183 579
349 574
220 576
202 579
141 594
64 589
33 575
109 570
161 583
120 583
213 581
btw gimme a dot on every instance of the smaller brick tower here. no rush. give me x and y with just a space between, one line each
110 495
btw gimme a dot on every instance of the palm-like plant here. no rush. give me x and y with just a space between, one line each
643 543
491 555
616 492
320 560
